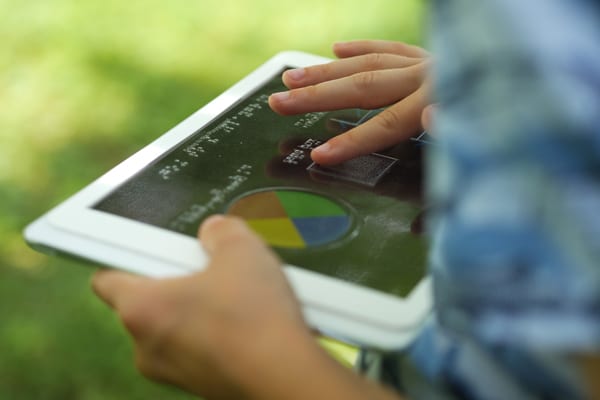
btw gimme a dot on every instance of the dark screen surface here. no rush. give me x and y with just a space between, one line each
358 221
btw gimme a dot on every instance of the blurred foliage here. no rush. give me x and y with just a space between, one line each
83 84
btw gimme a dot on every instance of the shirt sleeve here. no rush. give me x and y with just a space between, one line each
515 178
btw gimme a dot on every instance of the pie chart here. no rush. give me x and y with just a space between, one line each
294 219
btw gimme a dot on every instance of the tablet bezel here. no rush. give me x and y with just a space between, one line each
341 309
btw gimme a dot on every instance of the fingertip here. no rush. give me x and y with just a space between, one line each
321 154
209 224
427 116
331 153
273 104
277 102
339 48
218 231
294 75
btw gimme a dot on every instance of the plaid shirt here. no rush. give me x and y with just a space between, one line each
515 255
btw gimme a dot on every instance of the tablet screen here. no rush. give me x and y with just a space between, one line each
358 221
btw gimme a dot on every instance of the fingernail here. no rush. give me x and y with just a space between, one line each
296 74
281 96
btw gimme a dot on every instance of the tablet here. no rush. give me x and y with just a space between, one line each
348 234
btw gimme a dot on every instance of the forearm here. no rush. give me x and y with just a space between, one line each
298 368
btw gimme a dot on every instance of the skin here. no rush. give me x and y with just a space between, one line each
235 330
369 75
226 332
232 331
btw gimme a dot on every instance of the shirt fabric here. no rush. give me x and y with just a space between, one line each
515 183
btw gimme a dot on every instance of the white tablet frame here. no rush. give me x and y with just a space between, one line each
340 309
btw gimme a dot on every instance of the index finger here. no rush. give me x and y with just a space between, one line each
314 74
367 90
388 128
112 285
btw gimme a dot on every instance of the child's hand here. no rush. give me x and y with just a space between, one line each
232 331
220 332
368 75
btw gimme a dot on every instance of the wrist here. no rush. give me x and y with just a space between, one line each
292 365
269 364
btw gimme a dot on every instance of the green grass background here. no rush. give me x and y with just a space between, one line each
83 84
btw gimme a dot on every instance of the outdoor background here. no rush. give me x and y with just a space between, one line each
84 84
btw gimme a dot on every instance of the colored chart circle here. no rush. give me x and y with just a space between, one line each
293 219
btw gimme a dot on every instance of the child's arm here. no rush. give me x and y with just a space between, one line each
234 330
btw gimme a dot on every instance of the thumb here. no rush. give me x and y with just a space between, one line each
220 234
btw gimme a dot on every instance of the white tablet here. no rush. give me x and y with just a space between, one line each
348 233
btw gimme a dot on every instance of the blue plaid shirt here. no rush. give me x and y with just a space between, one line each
515 178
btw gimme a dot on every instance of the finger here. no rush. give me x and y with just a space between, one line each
220 234
301 77
427 117
359 47
365 90
388 128
112 285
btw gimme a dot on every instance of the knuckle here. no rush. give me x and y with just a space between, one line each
134 320
364 81
154 330
300 94
390 120
354 139
319 72
144 318
311 91
373 61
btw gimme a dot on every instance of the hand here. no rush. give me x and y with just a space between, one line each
233 331
218 332
368 75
